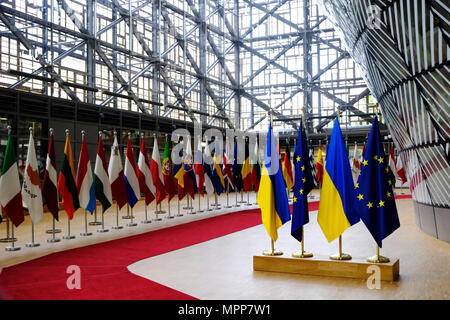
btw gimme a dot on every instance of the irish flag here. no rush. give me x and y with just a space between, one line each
66 182
102 185
10 195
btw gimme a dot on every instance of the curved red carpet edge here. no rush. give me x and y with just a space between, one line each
103 266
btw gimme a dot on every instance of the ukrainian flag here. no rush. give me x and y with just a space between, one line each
336 212
272 197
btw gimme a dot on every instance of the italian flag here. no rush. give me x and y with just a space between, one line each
102 185
10 189
66 182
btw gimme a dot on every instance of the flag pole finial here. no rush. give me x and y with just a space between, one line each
83 133
67 131
30 129
9 129
100 134
51 131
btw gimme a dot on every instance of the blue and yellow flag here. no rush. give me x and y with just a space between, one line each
374 195
217 176
336 210
272 197
304 183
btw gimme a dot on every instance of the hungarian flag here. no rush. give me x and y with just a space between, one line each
247 170
85 181
49 190
31 186
319 166
130 175
256 169
287 169
102 186
199 170
10 196
145 176
227 165
66 182
115 171
155 168
400 170
167 170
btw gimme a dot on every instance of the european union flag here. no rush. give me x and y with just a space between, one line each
375 201
304 183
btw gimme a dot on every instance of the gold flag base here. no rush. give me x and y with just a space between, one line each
378 259
341 256
272 252
302 254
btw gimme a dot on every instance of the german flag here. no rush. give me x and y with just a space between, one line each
66 182
247 170
287 169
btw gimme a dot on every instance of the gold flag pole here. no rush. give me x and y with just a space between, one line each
377 258
302 253
340 255
272 251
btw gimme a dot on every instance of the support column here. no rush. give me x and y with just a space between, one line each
237 68
202 63
90 50
307 65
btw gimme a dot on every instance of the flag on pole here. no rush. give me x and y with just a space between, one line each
312 166
155 168
199 171
145 176
49 190
102 186
247 169
190 185
85 181
167 170
130 175
287 168
319 166
375 201
209 187
236 169
115 171
10 195
272 201
392 164
228 164
217 177
336 211
356 164
178 174
31 186
256 169
66 182
400 169
304 183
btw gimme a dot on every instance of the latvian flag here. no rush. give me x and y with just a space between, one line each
102 185
115 171
49 191
66 182
145 176
131 180
156 170
199 171
10 195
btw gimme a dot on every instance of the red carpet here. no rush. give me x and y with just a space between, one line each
104 273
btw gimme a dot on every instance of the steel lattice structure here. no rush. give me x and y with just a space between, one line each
220 62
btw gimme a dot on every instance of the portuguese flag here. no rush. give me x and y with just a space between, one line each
167 169
66 182
10 189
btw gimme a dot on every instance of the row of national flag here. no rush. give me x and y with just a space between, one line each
150 178
343 202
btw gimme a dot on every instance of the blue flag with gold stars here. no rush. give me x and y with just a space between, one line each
375 201
304 183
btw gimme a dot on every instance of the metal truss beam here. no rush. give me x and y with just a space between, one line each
22 39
